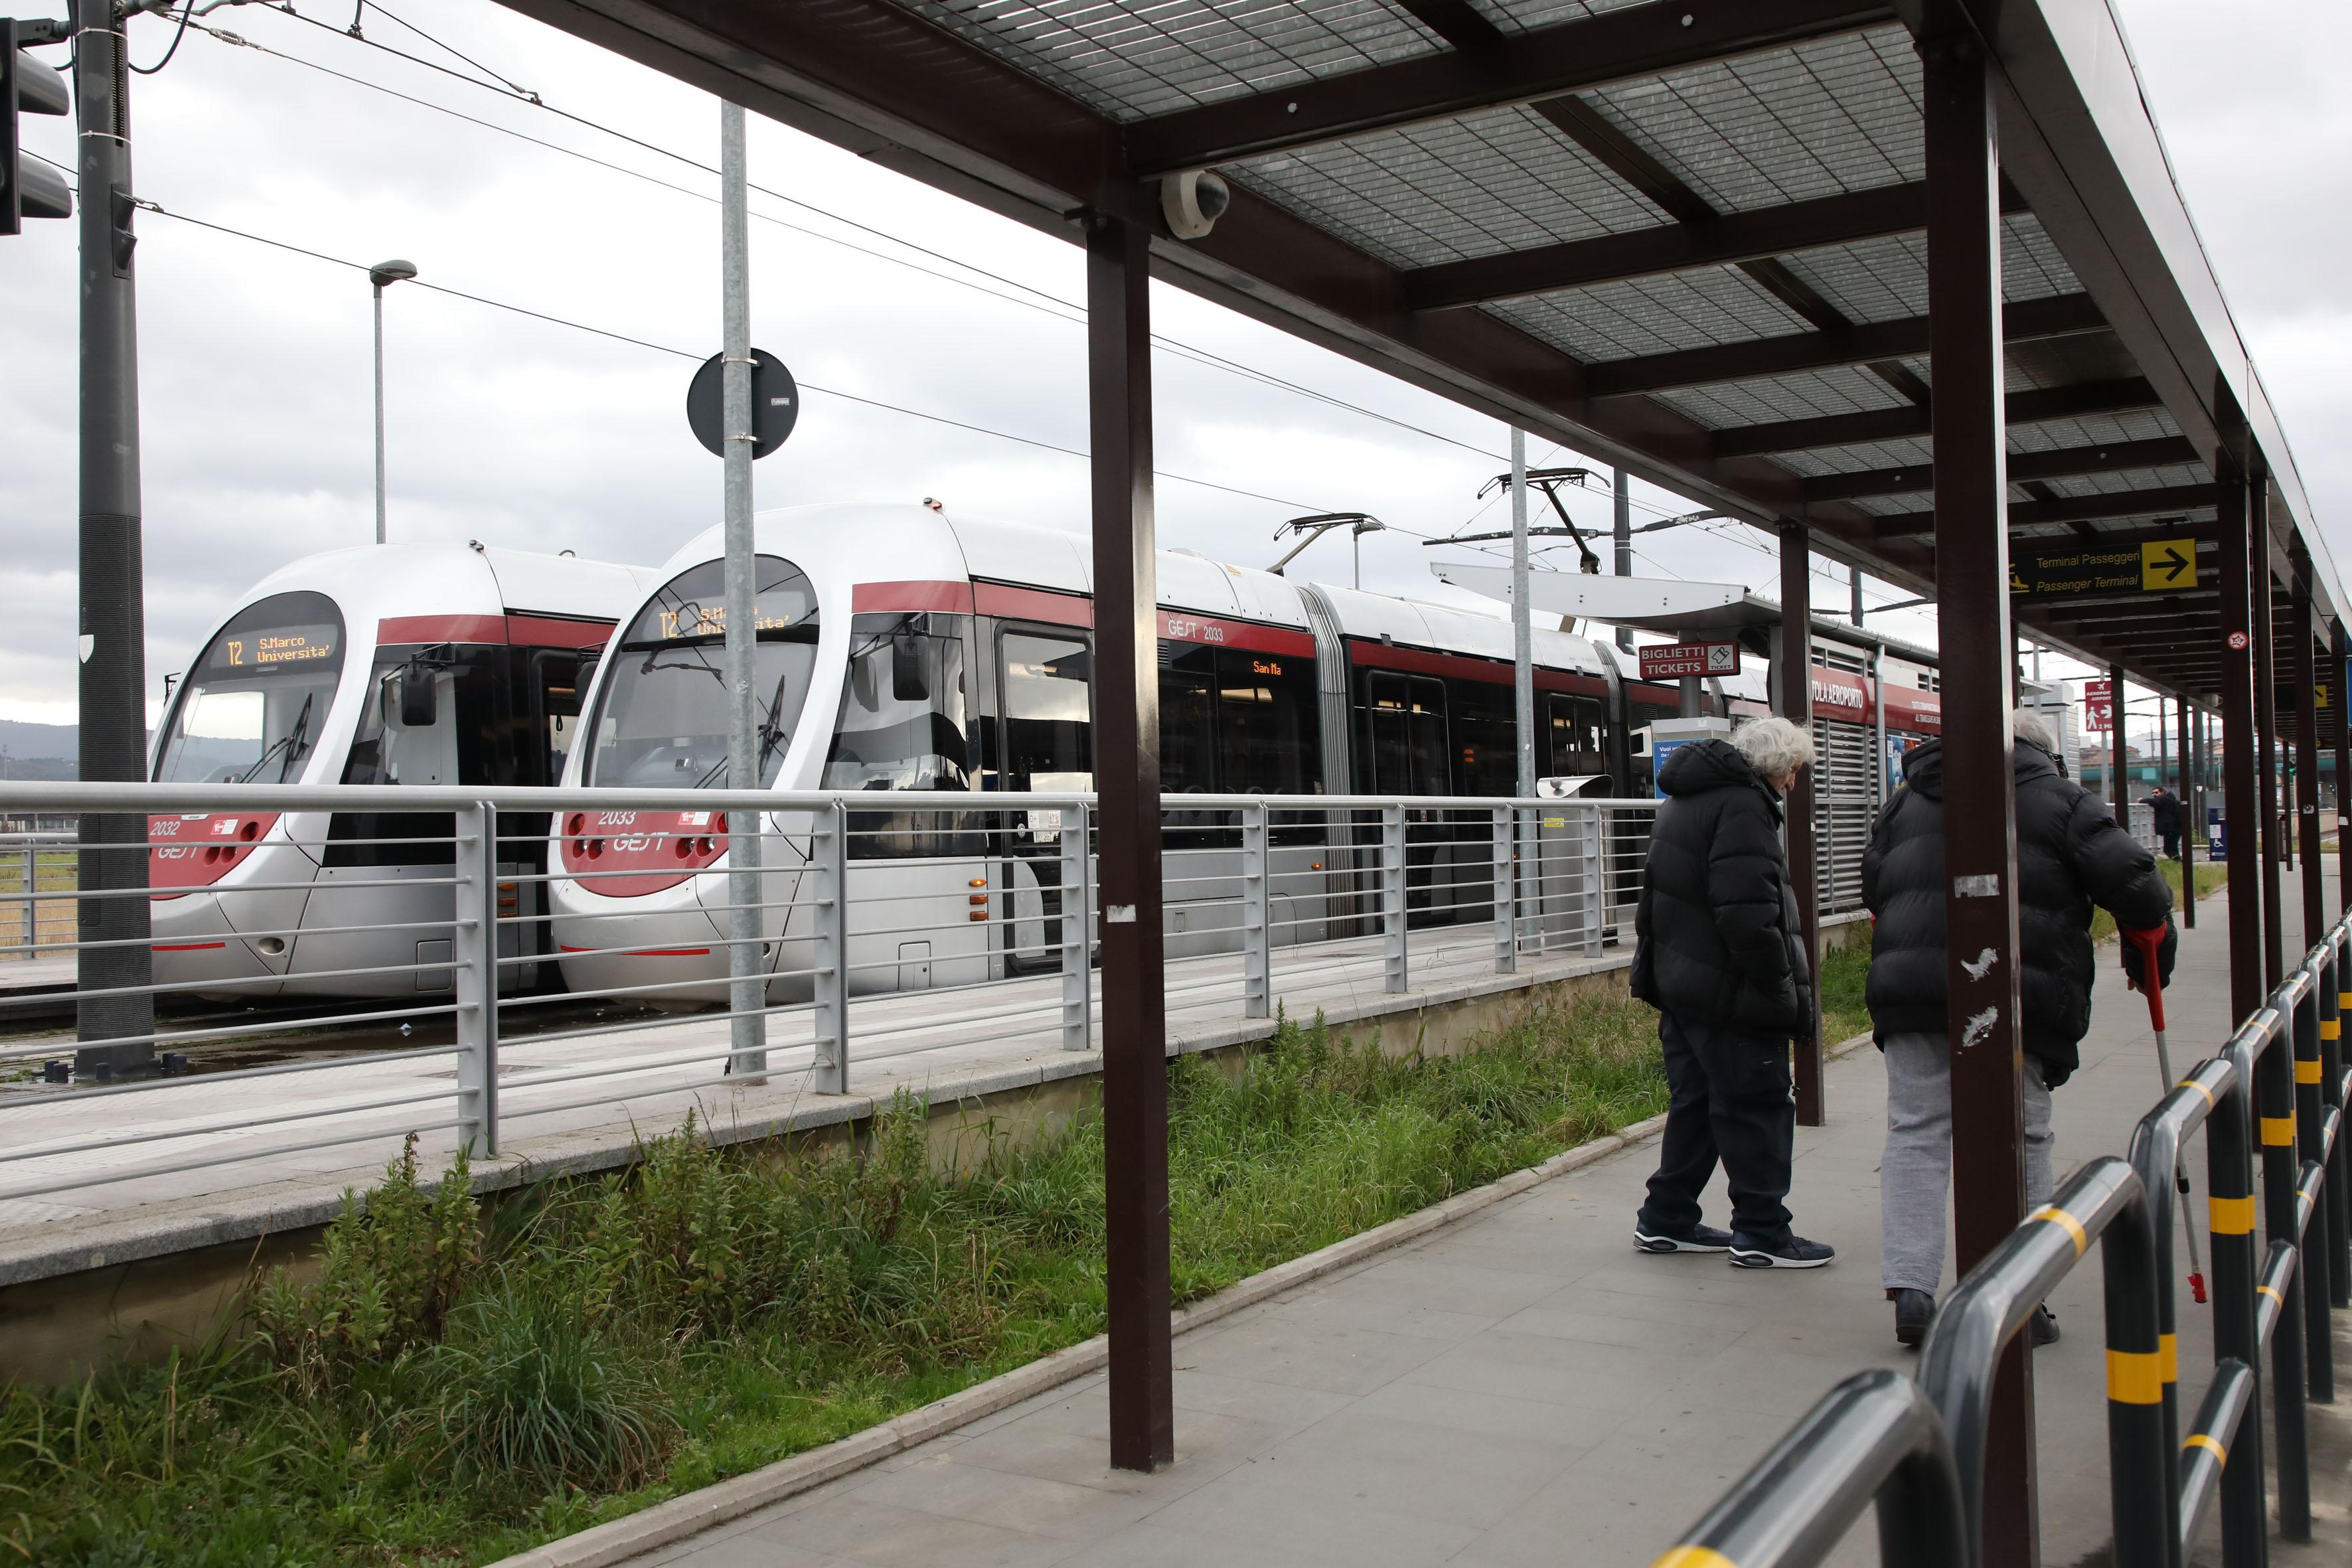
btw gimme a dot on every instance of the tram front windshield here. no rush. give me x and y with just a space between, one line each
663 719
255 703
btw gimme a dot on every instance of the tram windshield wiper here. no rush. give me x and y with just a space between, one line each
293 744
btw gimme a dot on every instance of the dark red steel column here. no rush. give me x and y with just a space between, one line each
2191 819
2305 632
2339 686
2118 748
1127 777
1797 706
1964 241
2266 771
2241 800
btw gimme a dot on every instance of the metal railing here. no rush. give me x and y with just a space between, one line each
473 964
2281 1080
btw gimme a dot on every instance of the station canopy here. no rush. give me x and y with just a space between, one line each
1686 236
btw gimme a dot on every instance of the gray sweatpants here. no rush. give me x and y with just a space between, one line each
1917 1172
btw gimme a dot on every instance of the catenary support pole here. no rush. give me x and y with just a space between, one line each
1795 675
1964 294
1523 637
1127 775
2241 803
746 991
2266 749
114 674
1853 590
1622 531
377 288
2191 820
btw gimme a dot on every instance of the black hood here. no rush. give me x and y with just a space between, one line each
1696 767
1923 766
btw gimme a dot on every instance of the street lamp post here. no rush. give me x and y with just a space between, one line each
382 273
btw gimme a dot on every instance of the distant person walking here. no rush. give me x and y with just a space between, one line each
2070 854
1720 953
2164 808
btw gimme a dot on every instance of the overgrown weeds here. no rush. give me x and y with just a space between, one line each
435 1390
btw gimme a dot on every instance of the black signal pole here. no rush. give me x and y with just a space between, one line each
113 931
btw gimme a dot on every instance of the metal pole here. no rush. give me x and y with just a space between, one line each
2240 806
114 670
1622 531
1964 291
1126 778
1522 639
1878 726
746 1027
2304 629
2339 677
2118 748
378 409
1796 676
2266 779
1854 586
2192 823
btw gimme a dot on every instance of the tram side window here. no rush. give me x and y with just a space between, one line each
1266 727
554 674
1485 737
902 726
1188 718
1574 727
1048 730
457 743
1406 716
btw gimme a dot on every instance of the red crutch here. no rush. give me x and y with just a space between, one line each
2150 944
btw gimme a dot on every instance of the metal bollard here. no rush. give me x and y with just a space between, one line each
2311 1021
2274 1091
1257 931
2229 1203
476 945
1507 890
1392 895
827 878
2331 1091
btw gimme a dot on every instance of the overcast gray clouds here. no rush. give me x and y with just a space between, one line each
256 361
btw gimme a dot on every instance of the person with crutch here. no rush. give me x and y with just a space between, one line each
1720 953
2070 854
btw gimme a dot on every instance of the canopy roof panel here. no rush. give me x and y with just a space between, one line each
1687 235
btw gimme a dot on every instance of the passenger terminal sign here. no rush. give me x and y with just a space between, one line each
2142 566
1682 661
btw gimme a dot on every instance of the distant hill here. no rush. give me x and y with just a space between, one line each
39 751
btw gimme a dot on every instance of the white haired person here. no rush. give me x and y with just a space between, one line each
2070 854
1721 955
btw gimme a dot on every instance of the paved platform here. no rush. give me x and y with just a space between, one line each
1521 1388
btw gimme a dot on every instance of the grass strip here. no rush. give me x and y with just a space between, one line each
447 1386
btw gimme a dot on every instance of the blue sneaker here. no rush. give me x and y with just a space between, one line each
1697 1238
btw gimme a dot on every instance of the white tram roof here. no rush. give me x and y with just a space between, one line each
371 583
846 543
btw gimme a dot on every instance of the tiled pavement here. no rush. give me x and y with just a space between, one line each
1517 1388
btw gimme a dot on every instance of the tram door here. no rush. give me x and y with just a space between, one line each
1044 741
1406 714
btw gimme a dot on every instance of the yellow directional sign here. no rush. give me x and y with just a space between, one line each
2088 566
2168 563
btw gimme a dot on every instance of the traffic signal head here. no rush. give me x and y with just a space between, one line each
28 188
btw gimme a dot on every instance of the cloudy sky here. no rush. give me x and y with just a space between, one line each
255 360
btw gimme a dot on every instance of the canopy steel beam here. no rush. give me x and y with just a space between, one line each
1793 673
2070 462
1624 45
1719 241
2062 315
2034 407
2077 509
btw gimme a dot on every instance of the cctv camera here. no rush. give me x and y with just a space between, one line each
1193 201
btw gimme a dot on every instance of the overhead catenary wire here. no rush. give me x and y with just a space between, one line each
148 205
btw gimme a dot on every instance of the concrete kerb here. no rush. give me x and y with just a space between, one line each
666 1524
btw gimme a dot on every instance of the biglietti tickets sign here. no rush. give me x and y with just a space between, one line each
1681 660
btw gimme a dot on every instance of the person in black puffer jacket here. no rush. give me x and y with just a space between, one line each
2070 854
1720 953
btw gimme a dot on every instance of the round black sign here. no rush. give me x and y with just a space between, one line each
775 404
